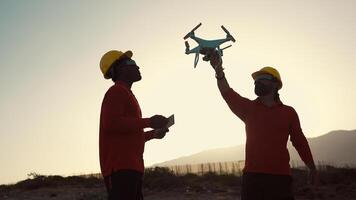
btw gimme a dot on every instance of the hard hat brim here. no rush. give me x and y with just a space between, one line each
258 73
127 54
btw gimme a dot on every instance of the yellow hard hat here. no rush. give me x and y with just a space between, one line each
271 71
109 58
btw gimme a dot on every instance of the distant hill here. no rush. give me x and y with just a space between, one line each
337 148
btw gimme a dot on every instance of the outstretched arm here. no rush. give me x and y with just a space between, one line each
216 63
238 104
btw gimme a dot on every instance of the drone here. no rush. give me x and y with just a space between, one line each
206 47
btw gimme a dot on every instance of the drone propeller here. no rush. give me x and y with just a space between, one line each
228 34
196 59
186 46
192 31
226 47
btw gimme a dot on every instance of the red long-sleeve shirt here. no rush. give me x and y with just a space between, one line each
121 135
267 132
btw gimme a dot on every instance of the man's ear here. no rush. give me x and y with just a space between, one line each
115 72
111 72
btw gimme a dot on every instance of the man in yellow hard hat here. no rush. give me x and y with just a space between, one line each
268 123
121 135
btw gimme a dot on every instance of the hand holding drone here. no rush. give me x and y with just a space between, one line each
205 47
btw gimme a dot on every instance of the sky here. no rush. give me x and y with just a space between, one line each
52 88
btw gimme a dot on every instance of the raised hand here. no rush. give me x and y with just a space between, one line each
215 60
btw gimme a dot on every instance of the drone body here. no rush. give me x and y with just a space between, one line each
205 47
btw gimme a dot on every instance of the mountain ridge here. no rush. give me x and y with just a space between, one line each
335 148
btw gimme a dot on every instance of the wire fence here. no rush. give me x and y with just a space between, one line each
236 167
233 167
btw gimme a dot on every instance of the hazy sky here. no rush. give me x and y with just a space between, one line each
52 88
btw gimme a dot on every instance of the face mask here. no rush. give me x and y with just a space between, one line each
262 89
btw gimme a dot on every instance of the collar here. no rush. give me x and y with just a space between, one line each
278 103
123 84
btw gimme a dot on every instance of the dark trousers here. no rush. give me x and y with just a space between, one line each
124 185
258 186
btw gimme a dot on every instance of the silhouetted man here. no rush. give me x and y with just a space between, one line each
122 138
268 124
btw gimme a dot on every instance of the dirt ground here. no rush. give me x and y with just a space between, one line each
98 193
69 193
